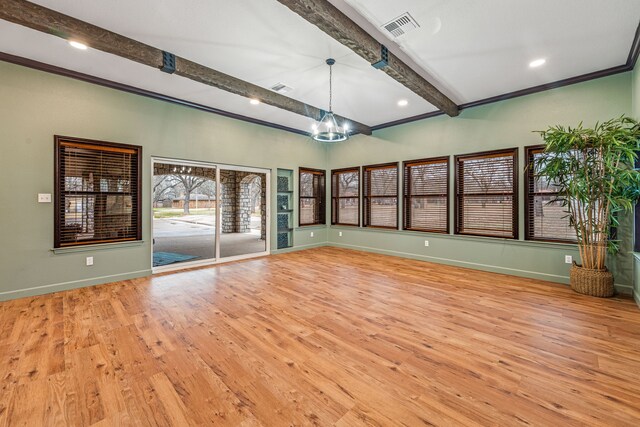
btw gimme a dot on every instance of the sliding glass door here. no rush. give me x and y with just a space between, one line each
204 213
243 212
184 213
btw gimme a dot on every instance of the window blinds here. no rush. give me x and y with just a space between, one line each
426 189
345 196
545 216
381 196
311 197
97 192
486 194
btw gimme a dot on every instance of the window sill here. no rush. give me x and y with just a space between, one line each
98 247
310 226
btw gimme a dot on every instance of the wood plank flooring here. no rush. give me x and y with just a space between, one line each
321 337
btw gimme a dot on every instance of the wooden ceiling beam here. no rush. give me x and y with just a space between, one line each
339 26
51 22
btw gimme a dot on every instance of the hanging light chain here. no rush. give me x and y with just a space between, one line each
330 86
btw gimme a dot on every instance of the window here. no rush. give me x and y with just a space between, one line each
345 196
545 216
381 196
97 196
486 194
312 197
426 189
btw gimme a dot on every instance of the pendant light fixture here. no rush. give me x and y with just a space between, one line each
327 129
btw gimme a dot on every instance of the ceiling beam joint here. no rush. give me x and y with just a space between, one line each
384 58
168 62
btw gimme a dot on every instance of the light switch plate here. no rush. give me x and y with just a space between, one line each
311 234
89 260
44 198
568 259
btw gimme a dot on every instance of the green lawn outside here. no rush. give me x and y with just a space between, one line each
173 213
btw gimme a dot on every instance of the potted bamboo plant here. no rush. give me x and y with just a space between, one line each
594 174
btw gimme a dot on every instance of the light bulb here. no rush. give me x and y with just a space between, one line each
78 45
537 63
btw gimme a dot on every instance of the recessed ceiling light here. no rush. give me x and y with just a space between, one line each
403 103
255 101
78 45
537 63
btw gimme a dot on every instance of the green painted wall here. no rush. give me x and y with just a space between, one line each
37 105
500 125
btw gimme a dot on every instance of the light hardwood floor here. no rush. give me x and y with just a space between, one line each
321 337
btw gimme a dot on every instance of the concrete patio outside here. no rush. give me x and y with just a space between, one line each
195 235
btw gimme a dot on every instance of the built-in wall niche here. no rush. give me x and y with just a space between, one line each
284 200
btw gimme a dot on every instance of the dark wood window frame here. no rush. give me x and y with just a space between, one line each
514 193
407 196
529 194
60 192
336 197
366 197
319 199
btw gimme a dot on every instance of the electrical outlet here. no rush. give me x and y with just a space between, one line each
339 233
568 259
89 260
311 235
426 243
44 198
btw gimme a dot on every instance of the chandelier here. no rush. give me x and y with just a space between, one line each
327 129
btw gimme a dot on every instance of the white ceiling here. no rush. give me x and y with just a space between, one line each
479 49
472 49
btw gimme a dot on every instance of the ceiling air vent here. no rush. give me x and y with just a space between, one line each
281 88
401 25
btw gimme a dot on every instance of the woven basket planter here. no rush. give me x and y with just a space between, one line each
596 283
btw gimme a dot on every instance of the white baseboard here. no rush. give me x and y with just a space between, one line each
65 286
625 289
57 287
459 263
298 248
